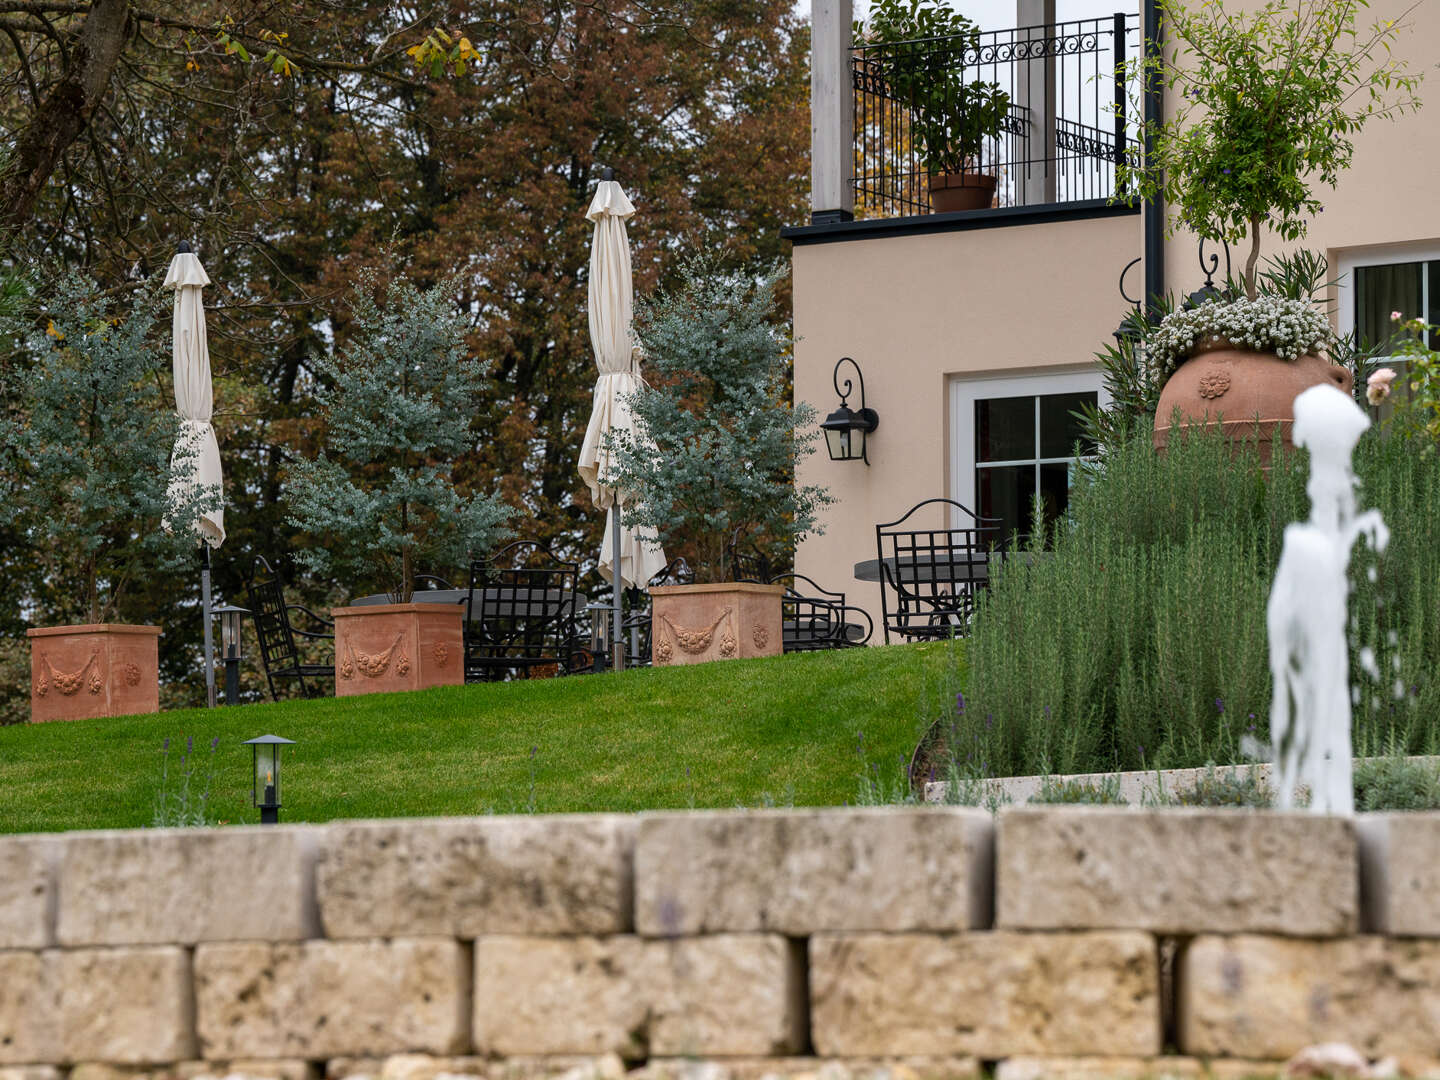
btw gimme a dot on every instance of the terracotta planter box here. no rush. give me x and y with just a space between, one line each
77 672
691 624
386 647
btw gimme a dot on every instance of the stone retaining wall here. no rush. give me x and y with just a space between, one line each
899 944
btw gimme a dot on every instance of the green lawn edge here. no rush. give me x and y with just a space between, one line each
794 730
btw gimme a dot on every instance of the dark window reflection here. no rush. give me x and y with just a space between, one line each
1005 429
1381 290
1060 427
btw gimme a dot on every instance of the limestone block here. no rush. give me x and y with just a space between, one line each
29 1009
1176 871
723 994
728 994
129 1006
1400 858
322 999
800 871
987 994
917 1067
1111 1068
471 876
31 1072
185 886
1266 997
27 891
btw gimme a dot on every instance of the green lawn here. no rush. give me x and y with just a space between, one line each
796 729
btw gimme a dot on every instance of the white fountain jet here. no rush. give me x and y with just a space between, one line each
1309 653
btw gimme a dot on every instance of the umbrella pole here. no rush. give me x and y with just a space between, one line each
617 642
205 607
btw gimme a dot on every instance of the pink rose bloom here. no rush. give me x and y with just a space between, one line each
1395 316
1377 386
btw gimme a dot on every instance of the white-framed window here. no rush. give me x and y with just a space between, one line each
1013 438
1374 282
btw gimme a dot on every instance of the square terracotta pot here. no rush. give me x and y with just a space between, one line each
384 647
691 624
77 672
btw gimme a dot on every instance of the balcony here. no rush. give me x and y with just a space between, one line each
1065 119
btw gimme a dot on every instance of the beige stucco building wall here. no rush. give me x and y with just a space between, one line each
917 311
920 311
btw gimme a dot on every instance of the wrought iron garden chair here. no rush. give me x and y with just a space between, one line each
520 615
278 651
929 578
748 564
813 618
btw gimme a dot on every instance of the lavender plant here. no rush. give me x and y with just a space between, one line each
381 500
187 803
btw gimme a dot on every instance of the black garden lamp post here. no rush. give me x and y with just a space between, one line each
845 428
232 648
265 792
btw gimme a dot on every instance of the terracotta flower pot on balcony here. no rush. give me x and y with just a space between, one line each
384 647
77 672
1249 395
691 624
961 191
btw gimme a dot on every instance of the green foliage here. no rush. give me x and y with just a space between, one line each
923 67
183 801
1140 641
716 443
1394 782
1218 788
85 457
1418 413
1268 99
1058 791
399 400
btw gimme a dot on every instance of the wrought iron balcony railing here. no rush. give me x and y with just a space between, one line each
1063 123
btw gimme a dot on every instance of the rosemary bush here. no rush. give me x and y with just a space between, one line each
183 800
1140 641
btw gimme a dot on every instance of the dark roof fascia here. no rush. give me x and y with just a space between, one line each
925 224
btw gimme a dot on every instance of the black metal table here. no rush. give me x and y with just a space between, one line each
974 569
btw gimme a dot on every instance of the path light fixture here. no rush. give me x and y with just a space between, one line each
845 429
265 790
232 648
599 615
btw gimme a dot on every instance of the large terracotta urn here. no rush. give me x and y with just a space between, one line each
1248 395
691 624
385 647
98 669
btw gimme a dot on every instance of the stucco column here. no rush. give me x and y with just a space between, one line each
832 113
1035 90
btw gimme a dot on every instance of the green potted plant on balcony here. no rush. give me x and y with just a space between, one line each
924 45
379 501
713 455
1265 103
85 482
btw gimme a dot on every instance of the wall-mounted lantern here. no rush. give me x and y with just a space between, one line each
265 792
845 429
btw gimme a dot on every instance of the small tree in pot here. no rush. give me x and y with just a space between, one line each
924 46
379 500
85 479
1269 102
713 454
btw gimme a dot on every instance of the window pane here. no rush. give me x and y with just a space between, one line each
1055 490
1005 429
1059 427
1006 492
1379 290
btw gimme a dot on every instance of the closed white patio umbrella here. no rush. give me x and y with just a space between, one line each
194 401
611 307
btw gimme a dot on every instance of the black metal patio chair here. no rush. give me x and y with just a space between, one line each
813 618
520 615
279 653
929 578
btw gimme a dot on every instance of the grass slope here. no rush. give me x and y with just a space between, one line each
796 729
